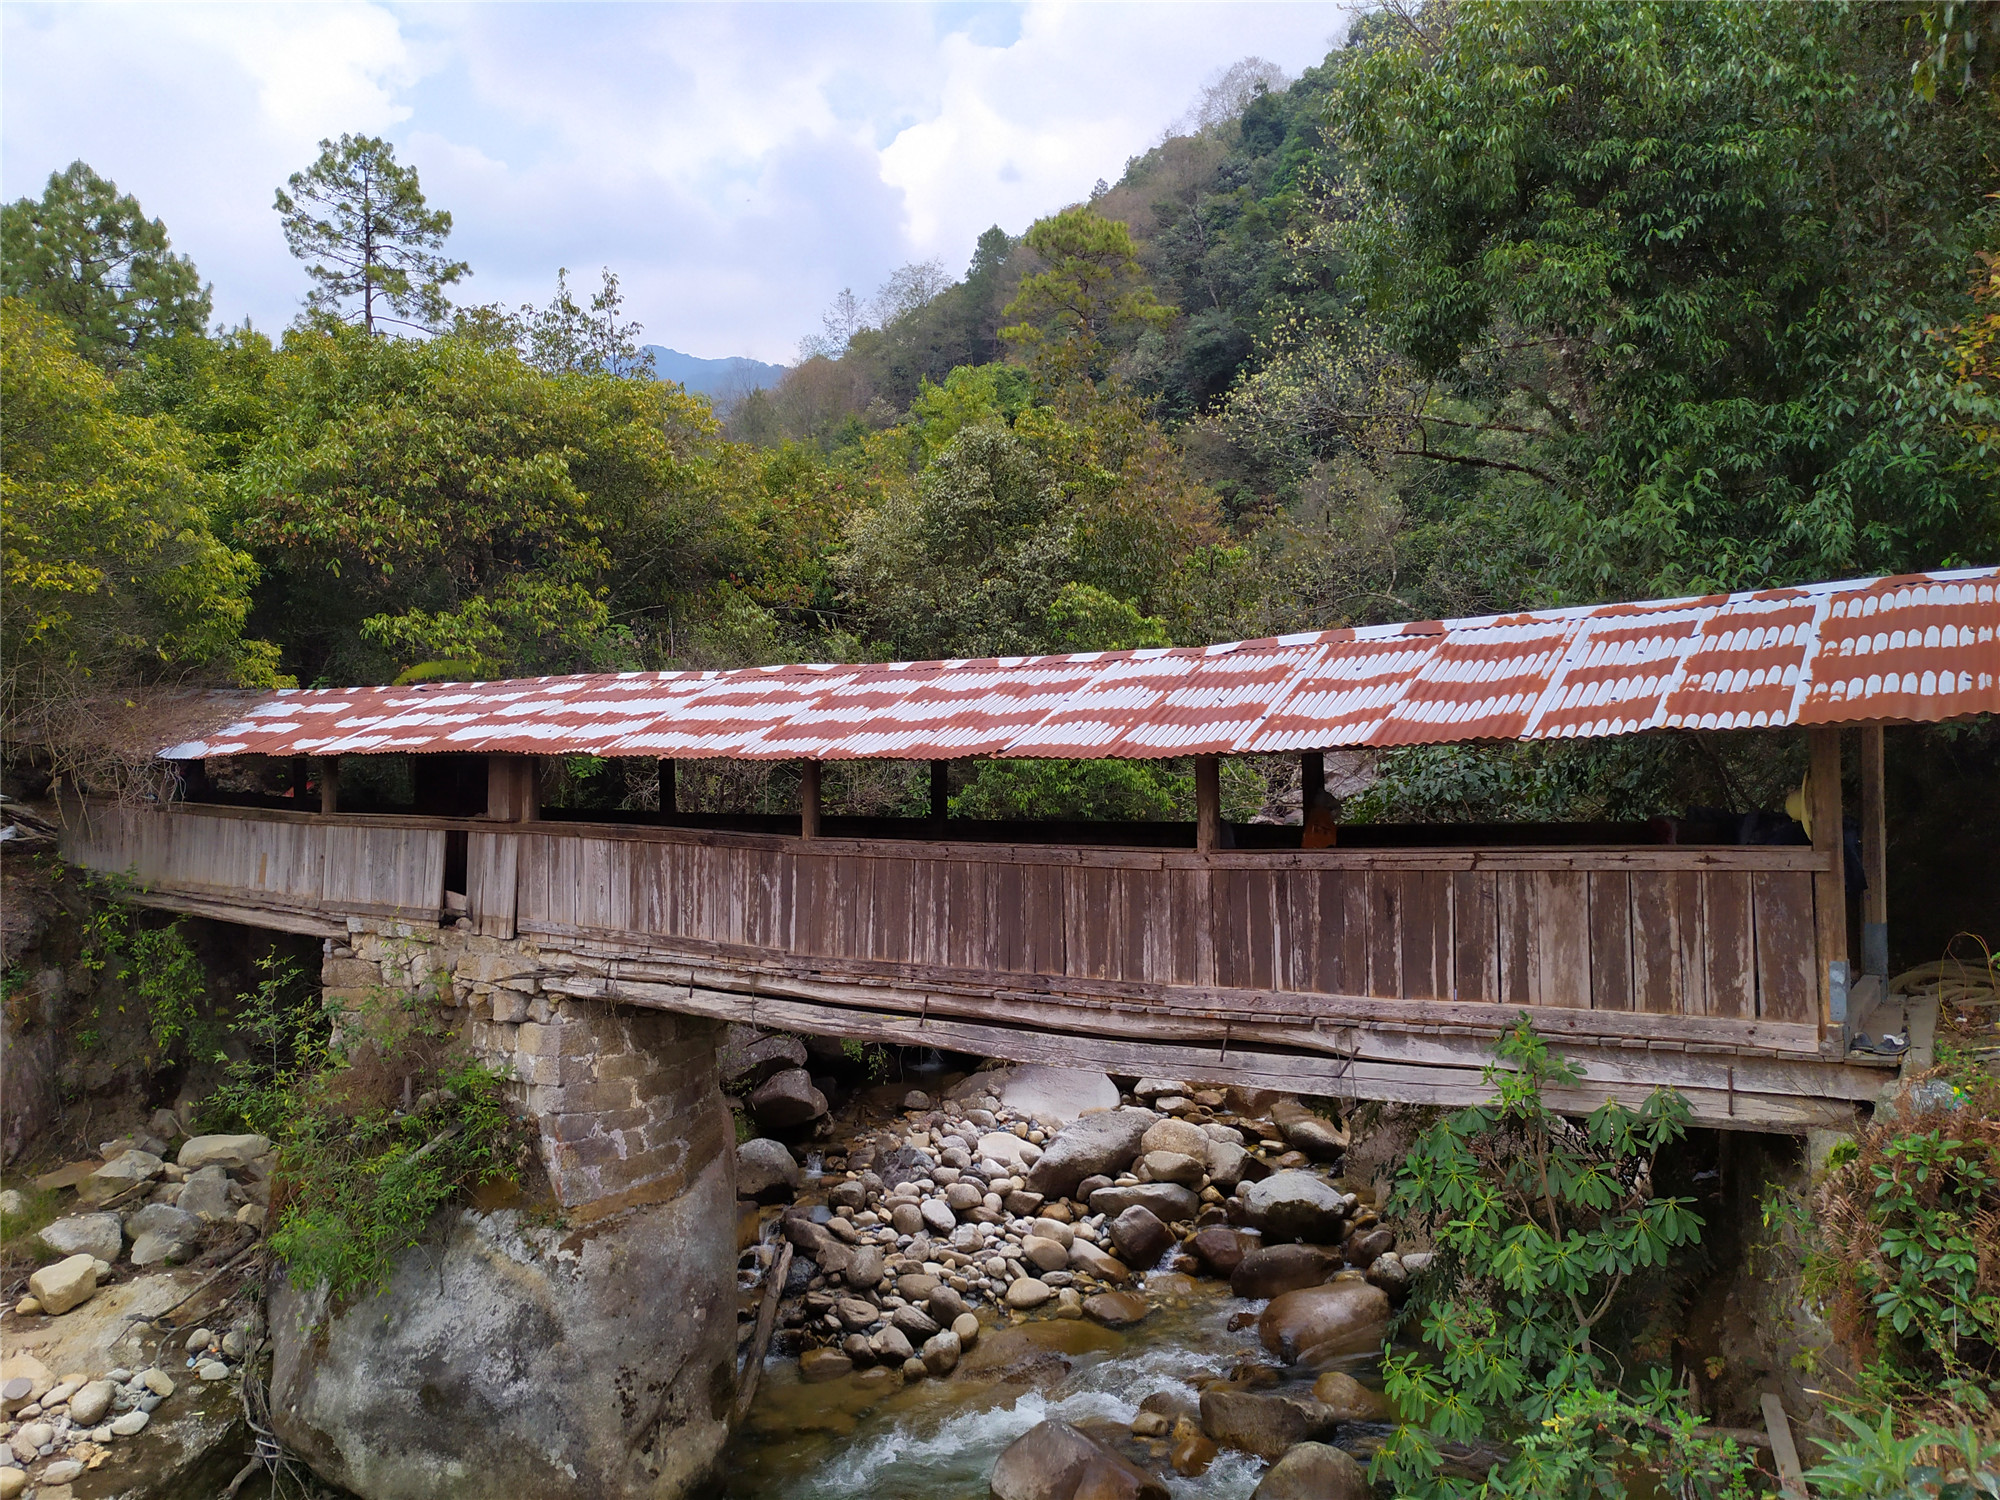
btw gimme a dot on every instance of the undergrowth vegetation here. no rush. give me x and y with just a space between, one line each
379 1117
1541 1223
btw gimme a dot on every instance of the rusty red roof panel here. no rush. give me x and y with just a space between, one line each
1919 648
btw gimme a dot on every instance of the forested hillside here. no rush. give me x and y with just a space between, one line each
1498 306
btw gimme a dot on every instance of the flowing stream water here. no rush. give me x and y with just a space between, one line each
869 1436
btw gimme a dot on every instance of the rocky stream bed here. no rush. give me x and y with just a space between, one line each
1032 1284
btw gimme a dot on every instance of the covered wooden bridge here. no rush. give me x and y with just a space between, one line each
1344 960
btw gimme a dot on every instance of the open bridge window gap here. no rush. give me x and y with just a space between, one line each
1679 788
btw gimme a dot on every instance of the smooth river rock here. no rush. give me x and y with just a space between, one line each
1262 1423
509 1358
1054 1461
1314 1471
787 1098
1168 1202
765 1170
1322 1322
1296 1205
1056 1095
1277 1269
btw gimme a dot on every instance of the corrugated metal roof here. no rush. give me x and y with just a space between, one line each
1918 648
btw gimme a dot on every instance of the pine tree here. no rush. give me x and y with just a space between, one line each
88 256
359 222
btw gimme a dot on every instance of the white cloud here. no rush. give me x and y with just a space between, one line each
737 165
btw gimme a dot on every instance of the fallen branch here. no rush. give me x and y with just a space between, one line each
767 1317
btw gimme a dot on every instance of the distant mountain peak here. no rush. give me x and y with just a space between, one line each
715 378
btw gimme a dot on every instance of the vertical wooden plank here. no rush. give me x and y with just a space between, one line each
1255 935
1297 901
1829 887
1666 942
492 869
1426 935
1782 914
1513 891
1610 940
1475 936
1559 939
1005 903
1086 901
1343 936
1385 936
1874 855
1729 961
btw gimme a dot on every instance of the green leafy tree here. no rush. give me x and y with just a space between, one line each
1679 266
88 255
1544 1222
359 221
440 500
564 337
110 572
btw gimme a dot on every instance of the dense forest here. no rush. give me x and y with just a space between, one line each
1498 306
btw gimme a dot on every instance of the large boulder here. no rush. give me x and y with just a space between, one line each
234 1152
162 1232
1314 1471
1276 1269
510 1358
1168 1202
1296 1206
1262 1422
206 1195
96 1235
1322 1322
1054 1461
66 1284
765 1170
750 1056
1055 1096
787 1098
1105 1142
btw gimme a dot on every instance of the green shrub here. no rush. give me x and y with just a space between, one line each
1540 1223
375 1131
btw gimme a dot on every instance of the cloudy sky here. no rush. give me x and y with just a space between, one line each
736 164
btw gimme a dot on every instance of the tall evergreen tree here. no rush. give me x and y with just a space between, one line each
87 255
359 221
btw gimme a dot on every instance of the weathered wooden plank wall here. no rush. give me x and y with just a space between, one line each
1714 933
1721 937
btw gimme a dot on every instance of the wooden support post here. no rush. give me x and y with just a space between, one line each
513 791
1829 891
1874 856
329 783
809 801
1207 803
669 794
1312 779
940 795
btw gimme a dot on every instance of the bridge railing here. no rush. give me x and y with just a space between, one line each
1653 945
